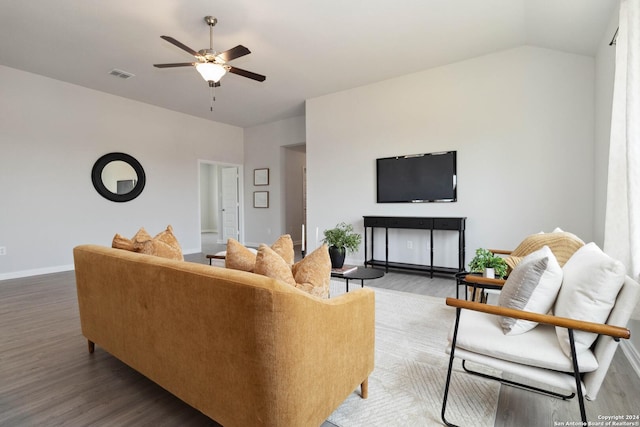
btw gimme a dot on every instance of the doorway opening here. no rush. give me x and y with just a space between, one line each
295 193
220 205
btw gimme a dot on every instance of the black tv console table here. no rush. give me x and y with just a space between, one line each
414 223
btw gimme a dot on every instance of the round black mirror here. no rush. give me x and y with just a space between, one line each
118 177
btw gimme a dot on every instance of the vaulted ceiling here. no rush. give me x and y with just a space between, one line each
305 48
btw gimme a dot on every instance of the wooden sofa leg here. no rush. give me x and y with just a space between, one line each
91 346
364 388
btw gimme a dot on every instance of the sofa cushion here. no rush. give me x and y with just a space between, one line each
563 245
270 264
313 273
238 257
592 280
532 286
481 333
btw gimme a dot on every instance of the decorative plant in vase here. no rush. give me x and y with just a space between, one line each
341 239
488 263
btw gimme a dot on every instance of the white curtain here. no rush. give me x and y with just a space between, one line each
622 221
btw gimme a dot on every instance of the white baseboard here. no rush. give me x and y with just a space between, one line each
36 272
632 354
191 251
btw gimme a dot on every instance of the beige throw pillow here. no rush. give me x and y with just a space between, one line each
284 247
270 264
121 242
140 237
164 244
563 245
313 273
238 257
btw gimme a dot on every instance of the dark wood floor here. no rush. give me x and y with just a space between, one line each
47 377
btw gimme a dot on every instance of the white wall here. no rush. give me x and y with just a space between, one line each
51 133
263 149
521 121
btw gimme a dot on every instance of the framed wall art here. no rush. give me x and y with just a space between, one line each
261 176
260 199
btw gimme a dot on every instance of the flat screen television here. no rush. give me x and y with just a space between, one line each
417 178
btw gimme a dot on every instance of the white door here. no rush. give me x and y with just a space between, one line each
230 206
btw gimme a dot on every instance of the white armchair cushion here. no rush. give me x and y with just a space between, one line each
591 283
532 286
481 333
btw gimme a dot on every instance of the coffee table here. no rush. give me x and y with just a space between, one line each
360 273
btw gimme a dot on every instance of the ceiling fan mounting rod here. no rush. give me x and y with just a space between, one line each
211 22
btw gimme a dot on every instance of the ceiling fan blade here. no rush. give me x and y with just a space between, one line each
248 74
233 53
175 64
180 45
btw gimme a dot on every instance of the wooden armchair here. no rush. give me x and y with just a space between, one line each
537 355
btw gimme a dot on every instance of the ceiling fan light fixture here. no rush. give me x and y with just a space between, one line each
211 72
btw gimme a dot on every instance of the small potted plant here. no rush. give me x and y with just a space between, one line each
489 264
340 240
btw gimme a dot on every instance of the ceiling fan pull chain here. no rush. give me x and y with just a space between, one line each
212 89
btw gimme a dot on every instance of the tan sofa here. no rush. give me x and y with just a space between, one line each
244 349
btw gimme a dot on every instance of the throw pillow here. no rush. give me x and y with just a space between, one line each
592 280
164 245
313 273
121 242
284 247
168 237
532 286
140 237
270 264
238 257
563 245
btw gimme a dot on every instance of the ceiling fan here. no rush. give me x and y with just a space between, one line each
212 65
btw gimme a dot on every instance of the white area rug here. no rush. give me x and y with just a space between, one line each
407 384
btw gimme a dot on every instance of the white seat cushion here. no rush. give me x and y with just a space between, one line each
482 333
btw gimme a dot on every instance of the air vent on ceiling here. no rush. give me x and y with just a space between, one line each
122 74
